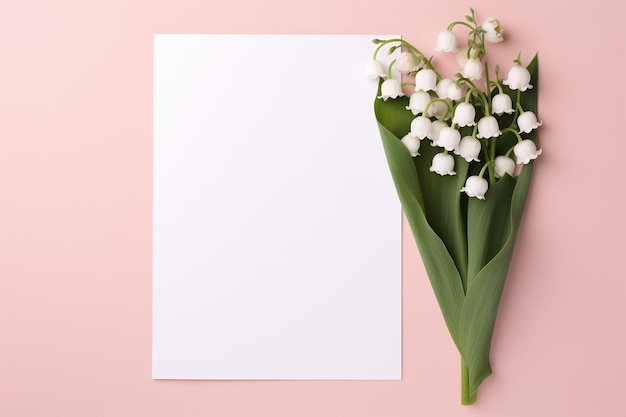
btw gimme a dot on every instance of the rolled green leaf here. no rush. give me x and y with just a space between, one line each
442 271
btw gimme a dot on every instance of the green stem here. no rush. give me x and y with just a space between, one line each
492 156
481 94
518 106
466 397
487 164
389 68
487 82
497 71
484 147
458 22
515 132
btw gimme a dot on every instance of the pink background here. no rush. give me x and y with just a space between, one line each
75 218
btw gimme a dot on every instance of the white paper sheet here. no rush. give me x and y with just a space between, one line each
276 251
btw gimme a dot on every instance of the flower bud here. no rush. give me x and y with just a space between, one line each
500 104
449 138
442 87
443 164
473 69
488 128
476 186
504 164
518 79
412 144
420 127
464 115
374 70
527 121
425 80
418 102
446 41
391 89
468 149
525 151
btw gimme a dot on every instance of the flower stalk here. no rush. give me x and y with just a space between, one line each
466 397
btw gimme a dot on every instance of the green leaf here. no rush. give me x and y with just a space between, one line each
488 225
444 204
408 174
439 196
442 272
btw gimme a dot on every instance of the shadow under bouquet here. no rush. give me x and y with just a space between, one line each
461 153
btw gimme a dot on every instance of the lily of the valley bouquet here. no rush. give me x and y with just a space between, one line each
461 152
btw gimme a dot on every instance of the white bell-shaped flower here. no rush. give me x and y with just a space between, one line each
488 128
504 164
446 41
443 164
412 144
527 121
457 92
501 103
374 70
418 102
442 87
390 89
476 186
493 30
435 130
464 115
525 151
407 63
468 148
425 80
473 69
449 138
420 127
518 79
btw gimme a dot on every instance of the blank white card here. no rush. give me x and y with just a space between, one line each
276 227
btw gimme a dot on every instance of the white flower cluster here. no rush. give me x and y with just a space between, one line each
442 106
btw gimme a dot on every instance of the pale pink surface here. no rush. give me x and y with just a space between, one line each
75 218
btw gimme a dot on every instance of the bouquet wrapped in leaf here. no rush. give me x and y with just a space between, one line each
461 153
